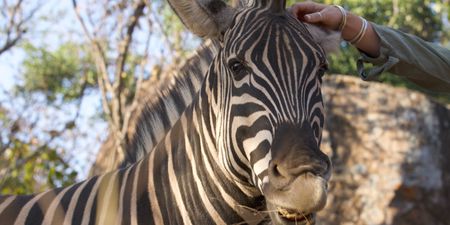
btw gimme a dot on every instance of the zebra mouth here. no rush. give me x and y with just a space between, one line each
296 216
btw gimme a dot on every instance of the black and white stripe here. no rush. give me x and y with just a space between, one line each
160 113
245 148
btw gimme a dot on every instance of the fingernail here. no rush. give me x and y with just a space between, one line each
307 17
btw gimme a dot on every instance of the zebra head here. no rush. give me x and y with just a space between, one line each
263 100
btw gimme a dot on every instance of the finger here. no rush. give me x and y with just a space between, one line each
314 17
303 8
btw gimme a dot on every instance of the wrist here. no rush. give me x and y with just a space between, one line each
363 36
352 27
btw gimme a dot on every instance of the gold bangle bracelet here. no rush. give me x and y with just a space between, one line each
361 32
366 25
344 17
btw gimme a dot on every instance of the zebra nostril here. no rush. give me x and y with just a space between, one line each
279 177
276 172
279 171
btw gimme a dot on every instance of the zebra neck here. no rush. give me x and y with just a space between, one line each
164 109
188 183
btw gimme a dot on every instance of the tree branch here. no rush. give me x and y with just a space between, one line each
123 48
114 97
14 29
10 43
100 59
135 102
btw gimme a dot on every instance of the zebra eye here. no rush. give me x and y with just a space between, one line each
237 67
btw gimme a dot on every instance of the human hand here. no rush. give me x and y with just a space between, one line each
326 16
354 29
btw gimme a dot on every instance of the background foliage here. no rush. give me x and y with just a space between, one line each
66 72
90 55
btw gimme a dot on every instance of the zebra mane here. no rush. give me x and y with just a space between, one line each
161 112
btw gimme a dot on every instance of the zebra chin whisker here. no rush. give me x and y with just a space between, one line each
256 221
254 210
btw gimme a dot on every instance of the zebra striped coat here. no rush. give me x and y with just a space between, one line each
248 141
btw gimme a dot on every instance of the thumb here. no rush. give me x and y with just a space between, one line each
314 17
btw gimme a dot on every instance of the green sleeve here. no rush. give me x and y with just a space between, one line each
421 62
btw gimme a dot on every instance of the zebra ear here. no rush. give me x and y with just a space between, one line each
329 40
205 18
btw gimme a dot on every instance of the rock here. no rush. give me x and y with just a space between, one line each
391 153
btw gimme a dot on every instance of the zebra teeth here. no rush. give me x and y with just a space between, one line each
294 215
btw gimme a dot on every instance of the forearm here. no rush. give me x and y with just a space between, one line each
422 62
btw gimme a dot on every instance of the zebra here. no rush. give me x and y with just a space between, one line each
247 144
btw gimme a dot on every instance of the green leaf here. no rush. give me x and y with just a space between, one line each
62 73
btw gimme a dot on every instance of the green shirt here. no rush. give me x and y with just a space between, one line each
424 63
